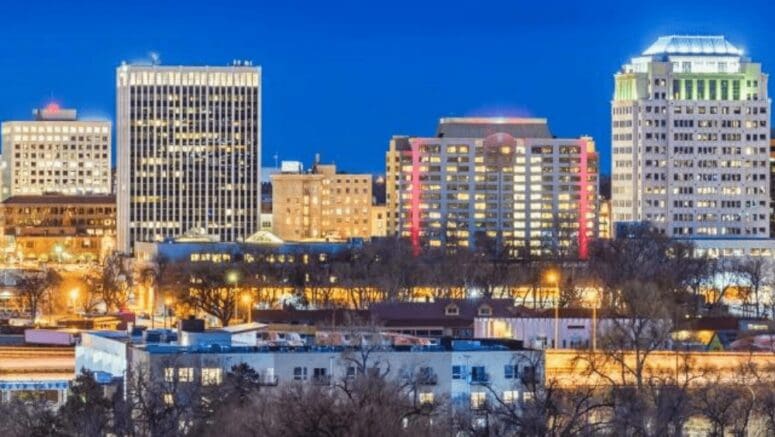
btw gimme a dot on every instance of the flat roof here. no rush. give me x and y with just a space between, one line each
482 127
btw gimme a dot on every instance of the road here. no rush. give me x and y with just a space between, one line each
39 362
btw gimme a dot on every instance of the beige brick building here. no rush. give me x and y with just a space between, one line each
321 205
379 220
58 228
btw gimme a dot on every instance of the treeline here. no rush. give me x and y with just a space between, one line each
377 403
387 270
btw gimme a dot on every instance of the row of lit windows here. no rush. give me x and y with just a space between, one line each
190 78
38 128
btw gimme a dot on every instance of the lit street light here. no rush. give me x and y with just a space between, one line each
73 298
596 301
58 250
553 278
247 300
167 303
232 277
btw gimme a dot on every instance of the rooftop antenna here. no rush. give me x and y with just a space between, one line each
276 160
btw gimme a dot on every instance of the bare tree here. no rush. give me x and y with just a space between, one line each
28 418
757 272
212 288
545 408
172 405
728 407
116 281
647 256
35 286
241 406
728 276
640 325
366 340
87 411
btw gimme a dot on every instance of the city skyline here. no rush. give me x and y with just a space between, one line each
383 71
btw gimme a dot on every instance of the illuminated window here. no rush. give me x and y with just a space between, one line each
186 374
211 376
510 396
169 399
426 398
478 400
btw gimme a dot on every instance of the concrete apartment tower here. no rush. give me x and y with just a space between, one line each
503 180
56 153
189 152
690 137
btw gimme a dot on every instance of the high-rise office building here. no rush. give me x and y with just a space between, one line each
189 152
502 180
56 153
772 182
691 140
321 204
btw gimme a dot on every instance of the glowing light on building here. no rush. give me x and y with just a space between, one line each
583 197
415 205
52 107
513 184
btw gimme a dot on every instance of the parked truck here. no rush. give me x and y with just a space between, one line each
58 337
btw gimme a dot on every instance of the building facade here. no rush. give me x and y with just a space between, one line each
469 371
56 153
507 180
321 205
189 152
690 136
59 228
378 221
605 230
772 181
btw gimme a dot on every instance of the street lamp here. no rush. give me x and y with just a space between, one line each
58 251
553 278
167 303
73 298
232 277
595 302
247 300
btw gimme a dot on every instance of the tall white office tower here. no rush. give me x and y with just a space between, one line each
189 152
691 140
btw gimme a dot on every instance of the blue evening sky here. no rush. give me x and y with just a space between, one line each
341 77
